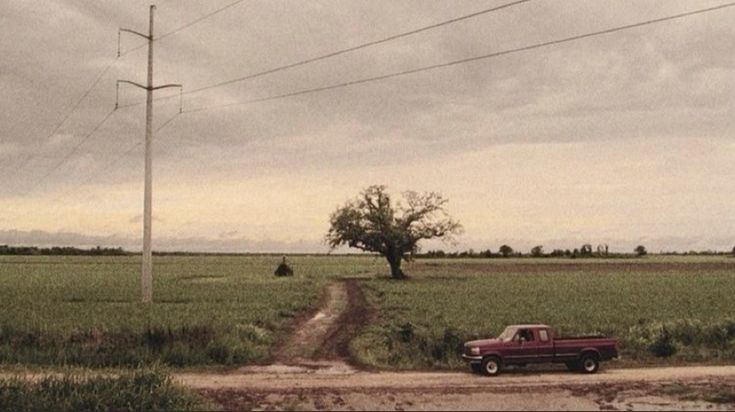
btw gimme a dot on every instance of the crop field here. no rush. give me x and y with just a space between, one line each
662 308
208 310
231 310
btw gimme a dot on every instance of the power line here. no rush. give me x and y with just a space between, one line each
185 26
74 108
360 46
118 159
77 146
467 60
206 16
99 77
344 51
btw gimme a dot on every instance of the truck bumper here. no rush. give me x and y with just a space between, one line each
471 359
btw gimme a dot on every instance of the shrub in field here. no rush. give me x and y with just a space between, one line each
283 269
663 344
139 390
411 347
692 339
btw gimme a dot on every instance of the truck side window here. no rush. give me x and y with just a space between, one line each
525 335
543 335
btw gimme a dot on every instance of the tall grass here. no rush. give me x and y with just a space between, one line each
138 390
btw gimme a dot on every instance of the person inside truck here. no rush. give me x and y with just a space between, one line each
525 335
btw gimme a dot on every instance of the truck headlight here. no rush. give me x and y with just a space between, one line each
475 350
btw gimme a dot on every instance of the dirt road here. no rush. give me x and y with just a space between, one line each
335 385
313 372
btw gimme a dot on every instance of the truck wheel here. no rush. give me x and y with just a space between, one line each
475 367
490 366
589 363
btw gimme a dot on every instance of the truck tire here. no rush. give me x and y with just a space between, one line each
490 366
475 367
589 363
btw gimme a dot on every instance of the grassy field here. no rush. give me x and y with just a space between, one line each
141 389
673 308
218 310
208 310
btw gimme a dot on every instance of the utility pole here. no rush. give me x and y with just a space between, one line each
146 277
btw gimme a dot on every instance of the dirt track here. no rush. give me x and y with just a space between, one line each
313 372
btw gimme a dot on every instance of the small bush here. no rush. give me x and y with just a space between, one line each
690 339
283 269
663 345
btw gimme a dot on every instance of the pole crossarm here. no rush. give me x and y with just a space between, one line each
133 83
135 32
148 37
165 86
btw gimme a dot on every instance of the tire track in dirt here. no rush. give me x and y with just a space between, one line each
322 340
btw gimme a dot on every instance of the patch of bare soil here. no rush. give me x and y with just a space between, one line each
336 342
320 341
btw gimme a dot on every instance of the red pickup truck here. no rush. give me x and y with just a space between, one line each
524 344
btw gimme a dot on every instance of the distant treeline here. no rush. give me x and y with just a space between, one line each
61 251
585 251
505 251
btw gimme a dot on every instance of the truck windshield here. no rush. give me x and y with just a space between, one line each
507 334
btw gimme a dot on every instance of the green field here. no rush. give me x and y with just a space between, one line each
231 310
208 310
652 304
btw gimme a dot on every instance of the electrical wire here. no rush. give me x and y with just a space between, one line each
343 51
185 26
359 46
107 68
74 108
467 60
76 147
111 165
200 19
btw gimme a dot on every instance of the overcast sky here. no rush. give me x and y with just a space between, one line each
623 139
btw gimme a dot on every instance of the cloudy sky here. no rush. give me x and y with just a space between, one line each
624 138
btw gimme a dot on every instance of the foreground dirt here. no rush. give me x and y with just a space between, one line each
337 386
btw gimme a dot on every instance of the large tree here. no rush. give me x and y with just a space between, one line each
373 223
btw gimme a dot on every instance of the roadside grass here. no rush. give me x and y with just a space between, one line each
86 310
678 313
142 389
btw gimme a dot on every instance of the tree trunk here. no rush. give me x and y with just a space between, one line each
395 267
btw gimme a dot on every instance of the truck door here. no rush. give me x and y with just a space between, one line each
545 347
524 348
